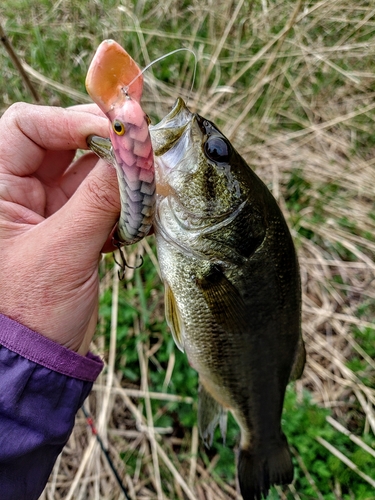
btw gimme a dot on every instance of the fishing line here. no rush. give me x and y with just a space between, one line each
182 49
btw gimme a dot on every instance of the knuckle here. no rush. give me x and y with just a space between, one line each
17 108
15 112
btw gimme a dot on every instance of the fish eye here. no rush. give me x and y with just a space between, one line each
217 149
118 127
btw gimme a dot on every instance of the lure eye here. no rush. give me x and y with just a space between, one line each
118 127
217 149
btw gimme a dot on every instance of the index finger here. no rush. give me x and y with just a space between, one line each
28 131
89 108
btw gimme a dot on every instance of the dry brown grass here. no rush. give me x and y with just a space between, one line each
298 99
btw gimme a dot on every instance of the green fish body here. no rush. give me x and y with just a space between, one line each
232 290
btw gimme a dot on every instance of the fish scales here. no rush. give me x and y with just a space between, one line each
232 289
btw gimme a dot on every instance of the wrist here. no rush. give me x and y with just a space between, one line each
39 349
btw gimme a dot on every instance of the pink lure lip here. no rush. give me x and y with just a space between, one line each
111 71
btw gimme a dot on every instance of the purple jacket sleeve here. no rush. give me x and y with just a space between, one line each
42 385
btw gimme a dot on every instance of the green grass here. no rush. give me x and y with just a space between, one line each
298 105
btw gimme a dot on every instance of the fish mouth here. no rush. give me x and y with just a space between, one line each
170 129
174 141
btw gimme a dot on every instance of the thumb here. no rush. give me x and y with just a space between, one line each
55 288
88 218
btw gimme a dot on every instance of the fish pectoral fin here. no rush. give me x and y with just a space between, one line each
173 317
299 361
210 414
224 300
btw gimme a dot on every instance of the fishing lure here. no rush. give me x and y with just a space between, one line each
115 83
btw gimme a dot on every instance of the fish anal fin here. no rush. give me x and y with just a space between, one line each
299 361
173 317
258 472
210 414
223 423
223 299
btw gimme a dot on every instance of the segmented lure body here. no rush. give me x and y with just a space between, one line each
115 83
132 149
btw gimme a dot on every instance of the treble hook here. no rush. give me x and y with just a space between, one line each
123 264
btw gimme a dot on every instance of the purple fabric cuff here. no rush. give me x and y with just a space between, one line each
39 349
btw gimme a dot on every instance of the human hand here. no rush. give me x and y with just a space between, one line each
56 216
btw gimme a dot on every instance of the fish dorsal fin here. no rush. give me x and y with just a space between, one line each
210 414
173 317
223 299
299 361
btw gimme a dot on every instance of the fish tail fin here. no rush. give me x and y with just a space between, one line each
257 472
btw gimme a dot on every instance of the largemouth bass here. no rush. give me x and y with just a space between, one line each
232 289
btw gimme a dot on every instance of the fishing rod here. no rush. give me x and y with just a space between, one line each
91 423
